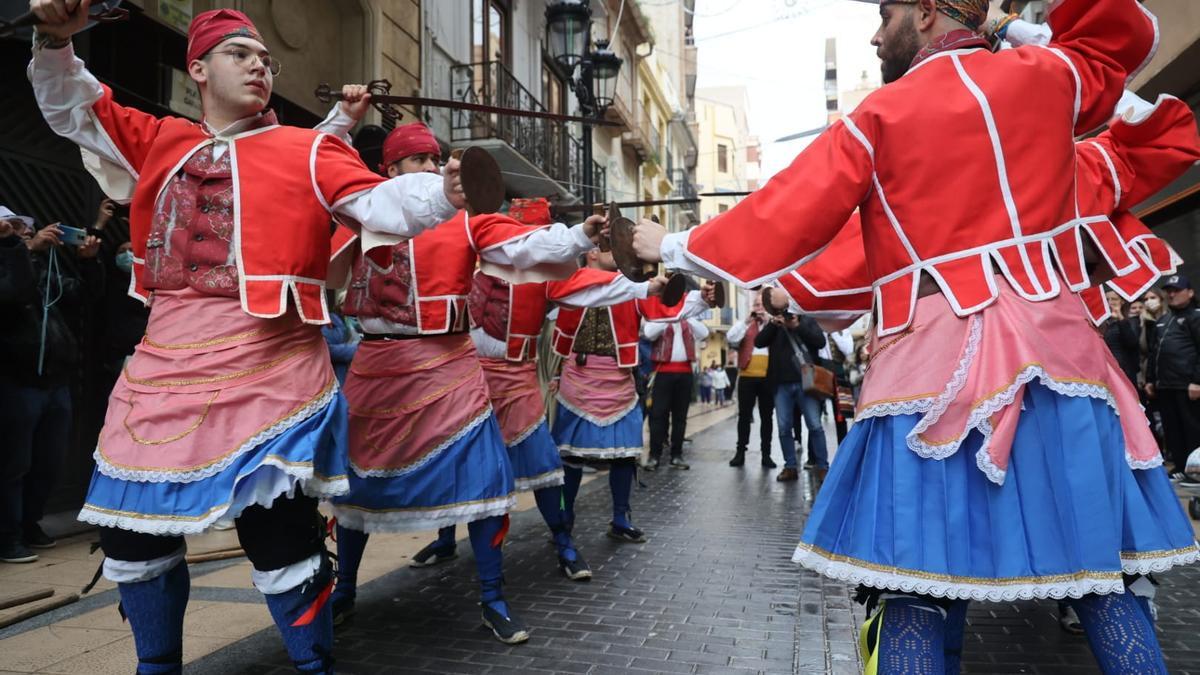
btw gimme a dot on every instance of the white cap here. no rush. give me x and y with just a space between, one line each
7 214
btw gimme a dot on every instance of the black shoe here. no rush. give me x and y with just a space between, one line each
809 464
577 569
768 463
343 608
651 464
739 459
678 463
631 535
15 552
507 629
36 537
433 554
787 475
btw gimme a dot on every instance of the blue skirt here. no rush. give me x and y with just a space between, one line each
535 460
469 479
1070 518
579 437
311 455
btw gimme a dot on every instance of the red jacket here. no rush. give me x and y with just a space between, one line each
954 172
510 313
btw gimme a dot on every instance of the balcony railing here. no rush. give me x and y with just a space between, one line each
684 187
549 145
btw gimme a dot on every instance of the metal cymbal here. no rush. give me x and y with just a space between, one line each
482 182
677 287
720 295
622 250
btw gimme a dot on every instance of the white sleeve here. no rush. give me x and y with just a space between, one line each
1021 32
549 253
652 330
699 330
675 257
694 306
843 341
403 206
337 123
65 92
619 290
736 332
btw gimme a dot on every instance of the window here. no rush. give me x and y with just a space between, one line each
722 158
489 31
722 208
553 90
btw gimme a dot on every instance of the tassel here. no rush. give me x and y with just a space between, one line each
503 532
311 613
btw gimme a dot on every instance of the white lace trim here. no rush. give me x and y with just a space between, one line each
958 379
1133 565
898 581
169 476
294 476
895 408
550 478
599 453
598 421
528 432
429 456
404 520
1143 464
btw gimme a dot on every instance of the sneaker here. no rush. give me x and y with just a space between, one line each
36 537
768 463
433 554
810 464
1178 476
631 535
678 463
507 629
651 464
343 608
787 475
16 552
739 459
1068 620
577 569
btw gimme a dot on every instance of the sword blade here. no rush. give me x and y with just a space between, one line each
627 205
480 107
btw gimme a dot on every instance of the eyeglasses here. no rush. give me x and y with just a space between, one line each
246 58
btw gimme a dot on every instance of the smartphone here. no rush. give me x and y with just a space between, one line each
72 236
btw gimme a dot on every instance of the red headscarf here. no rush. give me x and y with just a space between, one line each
213 27
534 211
407 140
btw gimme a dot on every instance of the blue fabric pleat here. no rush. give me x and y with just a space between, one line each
578 436
536 455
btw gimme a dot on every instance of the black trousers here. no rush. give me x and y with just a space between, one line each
752 391
273 538
671 398
1181 424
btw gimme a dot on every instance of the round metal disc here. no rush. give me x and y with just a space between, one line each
766 302
677 287
622 250
719 292
482 182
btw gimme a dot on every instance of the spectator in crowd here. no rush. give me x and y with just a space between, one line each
706 386
793 341
123 321
39 355
838 351
731 375
341 338
1173 371
674 358
720 383
1122 335
753 387
1155 302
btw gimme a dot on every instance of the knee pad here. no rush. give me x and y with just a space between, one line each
134 571
290 531
130 557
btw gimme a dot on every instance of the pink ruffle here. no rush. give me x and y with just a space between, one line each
516 396
600 392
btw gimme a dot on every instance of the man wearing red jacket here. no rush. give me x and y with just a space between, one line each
228 412
984 411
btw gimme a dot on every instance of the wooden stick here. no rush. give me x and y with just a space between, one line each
23 598
225 554
30 613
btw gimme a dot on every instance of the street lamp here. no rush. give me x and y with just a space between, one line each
568 32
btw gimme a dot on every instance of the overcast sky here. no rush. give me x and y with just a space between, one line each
777 49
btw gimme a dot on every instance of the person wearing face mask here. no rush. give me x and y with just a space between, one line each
122 321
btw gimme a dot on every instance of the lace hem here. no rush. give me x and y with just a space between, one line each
167 476
896 580
427 457
169 525
599 453
1145 563
548 479
418 520
598 421
521 437
958 379
895 409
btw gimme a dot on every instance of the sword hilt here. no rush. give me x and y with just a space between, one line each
390 113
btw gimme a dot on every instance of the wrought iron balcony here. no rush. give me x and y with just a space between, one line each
684 187
539 156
